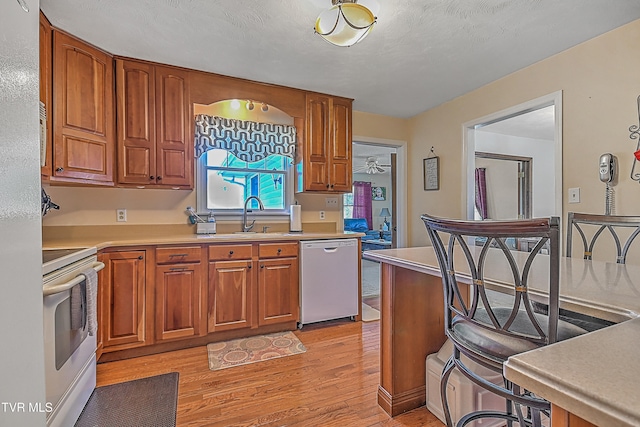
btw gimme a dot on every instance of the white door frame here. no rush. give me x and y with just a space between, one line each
468 147
401 177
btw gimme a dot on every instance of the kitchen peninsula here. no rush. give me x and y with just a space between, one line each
590 380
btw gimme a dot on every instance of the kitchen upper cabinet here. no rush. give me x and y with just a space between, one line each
83 121
326 154
232 289
123 311
155 136
278 288
46 136
179 292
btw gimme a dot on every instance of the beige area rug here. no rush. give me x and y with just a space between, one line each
243 351
369 314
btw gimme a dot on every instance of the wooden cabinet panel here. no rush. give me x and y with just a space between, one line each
231 295
135 96
278 291
563 418
178 254
174 141
277 250
45 90
83 123
230 252
326 161
340 160
178 310
123 300
155 137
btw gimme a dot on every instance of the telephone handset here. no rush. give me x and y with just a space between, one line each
607 167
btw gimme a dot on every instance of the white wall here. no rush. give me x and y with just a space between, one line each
21 357
543 164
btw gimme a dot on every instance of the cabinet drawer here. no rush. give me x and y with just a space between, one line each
178 254
278 250
229 252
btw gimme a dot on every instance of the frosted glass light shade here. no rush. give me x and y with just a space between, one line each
345 24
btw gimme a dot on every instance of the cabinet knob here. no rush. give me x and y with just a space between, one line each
159 178
327 185
59 169
249 266
262 266
230 252
140 257
152 177
279 250
331 185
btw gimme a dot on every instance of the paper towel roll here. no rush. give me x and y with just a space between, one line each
295 218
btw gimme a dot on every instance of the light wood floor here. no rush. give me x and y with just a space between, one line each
333 384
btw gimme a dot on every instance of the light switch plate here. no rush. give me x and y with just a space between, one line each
331 202
574 195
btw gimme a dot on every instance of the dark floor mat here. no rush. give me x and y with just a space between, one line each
147 402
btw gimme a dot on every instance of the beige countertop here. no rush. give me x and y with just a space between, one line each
596 376
146 236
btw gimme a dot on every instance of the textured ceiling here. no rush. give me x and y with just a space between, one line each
420 54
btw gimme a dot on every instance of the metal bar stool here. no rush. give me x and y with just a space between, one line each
602 222
485 329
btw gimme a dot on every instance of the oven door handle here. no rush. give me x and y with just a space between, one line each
56 289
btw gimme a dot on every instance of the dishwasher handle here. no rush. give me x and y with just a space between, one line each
330 250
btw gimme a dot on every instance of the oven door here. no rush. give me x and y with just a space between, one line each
69 353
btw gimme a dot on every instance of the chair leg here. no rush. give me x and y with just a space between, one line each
444 378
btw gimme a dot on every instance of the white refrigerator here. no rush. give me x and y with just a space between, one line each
329 272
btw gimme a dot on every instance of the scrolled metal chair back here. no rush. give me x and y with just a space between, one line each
493 237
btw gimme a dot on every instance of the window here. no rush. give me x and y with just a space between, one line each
227 181
347 200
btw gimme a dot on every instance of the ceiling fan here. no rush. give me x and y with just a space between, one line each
371 166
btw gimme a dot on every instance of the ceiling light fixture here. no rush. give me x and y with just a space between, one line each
345 23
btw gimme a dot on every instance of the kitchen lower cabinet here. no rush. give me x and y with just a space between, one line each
278 283
123 309
178 293
231 288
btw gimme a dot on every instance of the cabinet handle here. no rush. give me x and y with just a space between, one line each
140 257
159 178
152 177
59 169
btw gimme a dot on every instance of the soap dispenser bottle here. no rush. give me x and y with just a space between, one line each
211 223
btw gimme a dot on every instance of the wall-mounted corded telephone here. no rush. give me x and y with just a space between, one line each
608 170
607 167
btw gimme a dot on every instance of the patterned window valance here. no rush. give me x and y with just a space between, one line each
249 141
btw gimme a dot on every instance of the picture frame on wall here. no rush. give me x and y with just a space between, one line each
379 193
431 169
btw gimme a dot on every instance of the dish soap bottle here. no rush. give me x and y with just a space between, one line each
211 224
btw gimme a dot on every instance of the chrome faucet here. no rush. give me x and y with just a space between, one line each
245 227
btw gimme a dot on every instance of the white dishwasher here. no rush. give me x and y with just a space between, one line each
329 285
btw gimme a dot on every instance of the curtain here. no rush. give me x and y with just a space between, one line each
481 192
249 141
362 201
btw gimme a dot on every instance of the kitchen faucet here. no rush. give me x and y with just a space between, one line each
245 227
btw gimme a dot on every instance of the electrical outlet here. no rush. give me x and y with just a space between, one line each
321 214
121 215
574 195
331 202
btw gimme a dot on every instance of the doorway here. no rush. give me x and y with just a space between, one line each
529 130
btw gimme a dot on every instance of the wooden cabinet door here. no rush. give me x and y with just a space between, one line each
178 301
136 124
83 122
316 161
278 291
340 161
174 139
123 309
231 295
45 90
